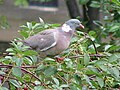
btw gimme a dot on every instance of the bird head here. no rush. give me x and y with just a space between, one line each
74 24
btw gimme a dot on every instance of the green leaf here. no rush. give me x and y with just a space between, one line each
30 53
116 72
36 26
8 57
98 23
33 58
27 60
118 55
49 59
86 58
114 28
17 71
27 77
114 48
100 81
117 2
38 88
80 66
14 44
15 83
74 39
92 33
55 25
29 25
73 88
87 79
24 33
93 68
50 70
83 1
9 50
56 81
107 47
3 88
1 2
80 33
3 22
17 60
117 34
101 62
37 82
2 73
77 79
40 67
96 45
95 4
64 85
21 3
68 62
113 58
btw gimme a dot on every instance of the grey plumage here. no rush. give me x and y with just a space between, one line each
53 41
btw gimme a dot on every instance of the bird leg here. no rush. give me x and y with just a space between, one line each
59 59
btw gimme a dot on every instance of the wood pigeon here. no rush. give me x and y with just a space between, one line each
52 42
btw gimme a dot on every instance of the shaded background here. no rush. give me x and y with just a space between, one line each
17 16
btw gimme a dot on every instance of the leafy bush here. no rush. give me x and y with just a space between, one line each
87 64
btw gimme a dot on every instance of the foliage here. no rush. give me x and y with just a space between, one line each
25 2
109 25
21 2
89 63
3 22
84 67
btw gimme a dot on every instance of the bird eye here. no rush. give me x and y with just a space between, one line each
77 23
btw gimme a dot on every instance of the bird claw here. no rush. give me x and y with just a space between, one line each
59 59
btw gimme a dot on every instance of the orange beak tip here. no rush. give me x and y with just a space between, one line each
81 26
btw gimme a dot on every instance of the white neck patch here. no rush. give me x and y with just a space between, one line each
66 28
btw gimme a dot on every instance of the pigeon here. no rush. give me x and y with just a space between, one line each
52 42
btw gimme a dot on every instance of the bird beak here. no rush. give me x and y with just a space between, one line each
81 26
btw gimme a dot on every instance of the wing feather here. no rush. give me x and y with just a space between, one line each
42 41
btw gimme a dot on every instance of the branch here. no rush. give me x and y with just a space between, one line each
63 79
10 71
42 84
92 55
10 66
93 45
17 80
31 74
86 36
26 71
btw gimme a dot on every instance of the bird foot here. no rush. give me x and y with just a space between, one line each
59 59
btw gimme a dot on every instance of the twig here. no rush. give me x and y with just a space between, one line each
42 84
28 86
88 37
3 54
93 45
62 78
6 78
31 74
92 55
17 80
10 66
26 71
